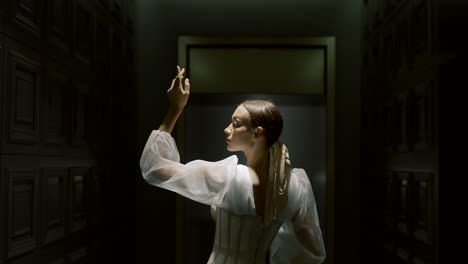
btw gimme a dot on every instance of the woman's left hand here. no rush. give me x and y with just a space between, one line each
178 94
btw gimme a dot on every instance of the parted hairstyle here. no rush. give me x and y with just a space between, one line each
265 114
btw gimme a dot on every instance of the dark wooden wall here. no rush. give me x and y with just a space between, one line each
66 71
409 48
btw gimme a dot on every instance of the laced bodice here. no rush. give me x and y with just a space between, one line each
241 238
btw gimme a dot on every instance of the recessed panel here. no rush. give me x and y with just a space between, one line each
256 69
22 210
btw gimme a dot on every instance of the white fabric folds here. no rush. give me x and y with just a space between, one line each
226 184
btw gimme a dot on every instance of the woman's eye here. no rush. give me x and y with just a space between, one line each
235 124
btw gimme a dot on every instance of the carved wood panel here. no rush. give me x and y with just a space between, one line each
100 123
422 204
388 114
408 216
421 31
84 32
402 44
3 210
59 28
2 16
58 261
23 198
102 46
2 90
421 115
56 106
96 195
78 256
24 21
51 208
402 199
23 88
402 88
53 204
78 216
388 57
401 123
80 114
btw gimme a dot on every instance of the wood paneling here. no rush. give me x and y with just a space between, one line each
422 115
58 261
23 198
53 204
423 207
78 256
80 114
24 21
55 104
402 51
421 32
22 91
400 147
2 17
78 198
58 30
2 92
84 33
3 210
103 33
96 195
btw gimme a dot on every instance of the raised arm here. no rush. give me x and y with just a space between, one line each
178 96
202 181
199 180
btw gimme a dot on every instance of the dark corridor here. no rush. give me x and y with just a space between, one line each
83 84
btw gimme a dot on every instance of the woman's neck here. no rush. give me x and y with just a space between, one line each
259 160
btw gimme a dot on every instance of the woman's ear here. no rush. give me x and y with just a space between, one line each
258 131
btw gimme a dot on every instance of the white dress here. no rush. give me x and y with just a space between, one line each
294 236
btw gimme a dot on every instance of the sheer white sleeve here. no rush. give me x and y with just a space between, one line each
299 239
202 181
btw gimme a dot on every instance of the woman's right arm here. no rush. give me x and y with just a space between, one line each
178 97
202 181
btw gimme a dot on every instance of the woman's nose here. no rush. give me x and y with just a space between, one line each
227 130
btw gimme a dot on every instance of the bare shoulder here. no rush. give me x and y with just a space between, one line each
253 176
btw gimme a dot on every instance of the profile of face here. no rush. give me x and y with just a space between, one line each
240 135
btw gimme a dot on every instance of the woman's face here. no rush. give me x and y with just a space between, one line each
239 133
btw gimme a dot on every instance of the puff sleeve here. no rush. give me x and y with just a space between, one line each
299 239
202 181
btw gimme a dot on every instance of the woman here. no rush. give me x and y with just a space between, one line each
265 212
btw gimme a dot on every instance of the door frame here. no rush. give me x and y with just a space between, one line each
327 43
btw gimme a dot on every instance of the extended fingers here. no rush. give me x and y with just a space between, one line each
180 72
172 84
187 86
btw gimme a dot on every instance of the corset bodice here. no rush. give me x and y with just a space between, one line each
241 238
